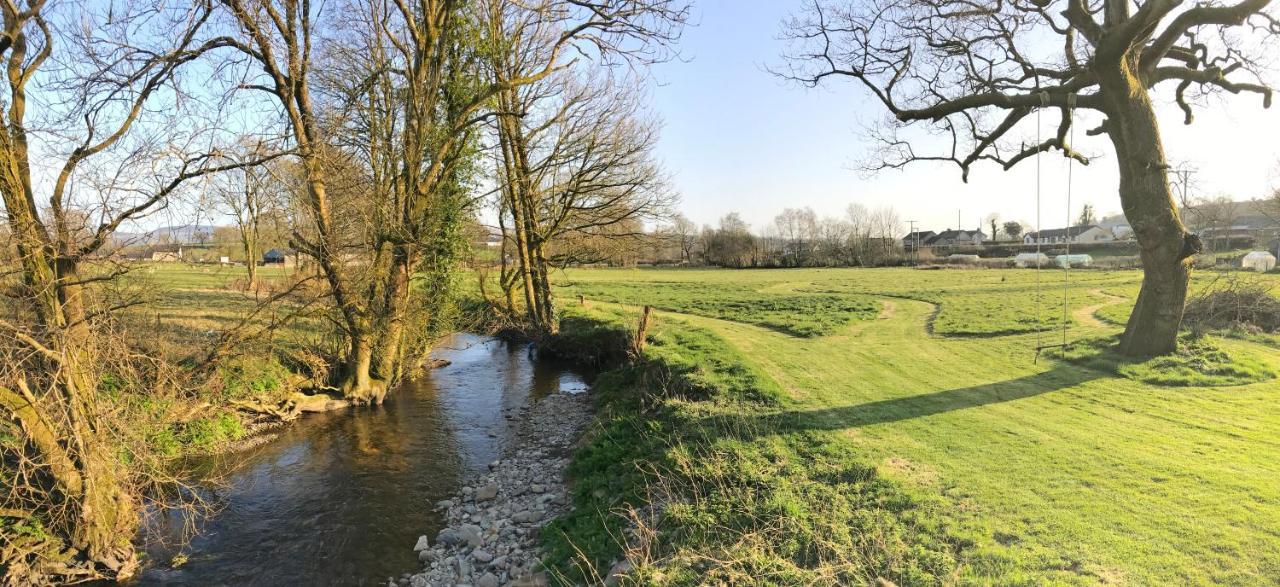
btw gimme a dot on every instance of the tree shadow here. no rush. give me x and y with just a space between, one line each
1061 376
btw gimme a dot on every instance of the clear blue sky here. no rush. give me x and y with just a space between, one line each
737 138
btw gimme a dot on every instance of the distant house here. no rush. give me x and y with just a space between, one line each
959 238
1118 226
1090 233
923 238
492 240
281 257
162 254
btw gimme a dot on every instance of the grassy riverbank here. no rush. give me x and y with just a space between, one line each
922 444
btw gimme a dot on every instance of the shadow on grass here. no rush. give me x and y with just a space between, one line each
1059 377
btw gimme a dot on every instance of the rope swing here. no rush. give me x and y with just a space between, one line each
1066 265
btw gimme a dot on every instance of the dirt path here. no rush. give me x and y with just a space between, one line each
1087 316
886 312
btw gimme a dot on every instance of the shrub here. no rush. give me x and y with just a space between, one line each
1234 303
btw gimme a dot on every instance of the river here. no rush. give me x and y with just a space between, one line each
340 498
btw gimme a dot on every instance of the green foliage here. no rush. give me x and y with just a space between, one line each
200 435
1200 361
252 376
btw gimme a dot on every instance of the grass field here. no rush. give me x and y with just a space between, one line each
1031 471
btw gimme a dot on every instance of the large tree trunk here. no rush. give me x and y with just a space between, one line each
1166 246
60 421
389 359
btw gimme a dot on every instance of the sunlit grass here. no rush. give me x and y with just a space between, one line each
1027 471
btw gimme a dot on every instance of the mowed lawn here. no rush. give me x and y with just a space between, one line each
1052 472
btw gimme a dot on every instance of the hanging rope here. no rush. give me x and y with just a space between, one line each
1066 267
1044 103
1066 257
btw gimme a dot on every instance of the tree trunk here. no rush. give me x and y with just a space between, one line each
515 189
388 361
1166 246
250 260
358 383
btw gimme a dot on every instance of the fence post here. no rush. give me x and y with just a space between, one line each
642 332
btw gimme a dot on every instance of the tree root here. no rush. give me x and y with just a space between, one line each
295 405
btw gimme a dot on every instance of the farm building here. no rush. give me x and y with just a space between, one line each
282 257
1260 261
1031 260
964 259
159 254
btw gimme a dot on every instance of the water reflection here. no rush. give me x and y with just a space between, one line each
340 498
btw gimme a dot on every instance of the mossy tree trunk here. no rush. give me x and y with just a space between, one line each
1166 246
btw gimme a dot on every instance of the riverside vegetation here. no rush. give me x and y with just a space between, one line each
905 434
921 443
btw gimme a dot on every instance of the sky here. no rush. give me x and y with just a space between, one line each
739 139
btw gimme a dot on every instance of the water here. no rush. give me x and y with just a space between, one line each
340 498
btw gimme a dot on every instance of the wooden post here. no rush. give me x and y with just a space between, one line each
642 332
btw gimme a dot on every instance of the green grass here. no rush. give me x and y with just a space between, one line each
1201 361
936 458
798 314
696 427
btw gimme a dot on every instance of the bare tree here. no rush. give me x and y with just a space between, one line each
415 115
250 196
975 73
117 127
541 96
685 232
1087 216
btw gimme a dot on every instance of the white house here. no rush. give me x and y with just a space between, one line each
1075 235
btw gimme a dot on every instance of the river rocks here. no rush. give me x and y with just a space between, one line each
492 524
447 537
487 492
470 533
423 544
617 572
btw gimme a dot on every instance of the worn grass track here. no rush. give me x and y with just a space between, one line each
1054 472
